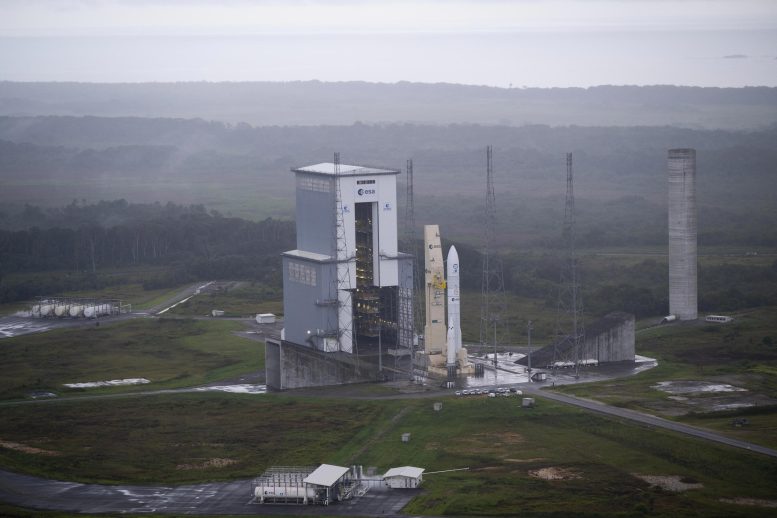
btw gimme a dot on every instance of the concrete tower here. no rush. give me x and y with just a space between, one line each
682 234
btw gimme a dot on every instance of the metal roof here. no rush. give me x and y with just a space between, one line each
304 254
326 475
404 471
328 168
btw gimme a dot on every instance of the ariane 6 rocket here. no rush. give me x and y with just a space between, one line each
454 312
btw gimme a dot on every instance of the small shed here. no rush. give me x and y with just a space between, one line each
406 437
403 477
217 313
265 318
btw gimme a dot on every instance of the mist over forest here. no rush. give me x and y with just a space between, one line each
114 175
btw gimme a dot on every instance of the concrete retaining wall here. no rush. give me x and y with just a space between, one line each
291 366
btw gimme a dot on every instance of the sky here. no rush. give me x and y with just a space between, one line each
493 42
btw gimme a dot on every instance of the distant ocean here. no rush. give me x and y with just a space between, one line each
544 59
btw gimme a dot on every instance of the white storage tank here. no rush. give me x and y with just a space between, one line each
46 309
76 310
271 493
61 310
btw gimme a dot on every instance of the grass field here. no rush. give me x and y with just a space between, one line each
178 438
743 353
169 352
238 299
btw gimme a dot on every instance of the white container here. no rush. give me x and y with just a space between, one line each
76 311
265 318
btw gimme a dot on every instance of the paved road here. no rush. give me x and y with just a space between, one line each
651 421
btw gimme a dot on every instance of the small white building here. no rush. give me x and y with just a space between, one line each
403 477
265 318
718 319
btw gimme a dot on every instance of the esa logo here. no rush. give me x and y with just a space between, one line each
363 192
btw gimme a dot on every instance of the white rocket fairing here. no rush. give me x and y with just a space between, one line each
454 308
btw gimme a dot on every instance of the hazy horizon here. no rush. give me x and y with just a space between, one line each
534 43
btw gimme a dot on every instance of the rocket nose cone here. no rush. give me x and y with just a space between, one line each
453 255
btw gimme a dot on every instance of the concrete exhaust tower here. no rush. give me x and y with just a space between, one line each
682 234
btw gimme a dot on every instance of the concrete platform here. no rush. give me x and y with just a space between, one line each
212 498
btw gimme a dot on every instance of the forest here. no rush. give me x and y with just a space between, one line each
88 246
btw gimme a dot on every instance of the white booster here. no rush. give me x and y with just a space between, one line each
454 308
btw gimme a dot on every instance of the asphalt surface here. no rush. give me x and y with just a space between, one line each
233 497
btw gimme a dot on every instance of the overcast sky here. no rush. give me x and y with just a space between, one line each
496 42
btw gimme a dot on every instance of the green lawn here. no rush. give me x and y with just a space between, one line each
171 438
168 352
245 299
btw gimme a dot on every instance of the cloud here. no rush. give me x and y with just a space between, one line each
736 56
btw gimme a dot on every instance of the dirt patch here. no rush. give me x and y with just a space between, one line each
210 463
17 446
554 474
756 502
674 483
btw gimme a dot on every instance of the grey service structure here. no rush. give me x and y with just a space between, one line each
682 234
347 290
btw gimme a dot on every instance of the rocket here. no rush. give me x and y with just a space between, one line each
454 308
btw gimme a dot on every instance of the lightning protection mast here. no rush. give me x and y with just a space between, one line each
492 298
409 306
344 294
569 314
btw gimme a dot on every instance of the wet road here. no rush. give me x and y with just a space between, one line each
650 420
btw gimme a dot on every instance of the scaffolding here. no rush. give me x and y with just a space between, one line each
569 313
493 321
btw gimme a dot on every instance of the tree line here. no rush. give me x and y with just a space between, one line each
189 242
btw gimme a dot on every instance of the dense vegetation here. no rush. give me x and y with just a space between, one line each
82 240
91 247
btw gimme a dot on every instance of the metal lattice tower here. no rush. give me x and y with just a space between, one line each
343 263
569 314
492 300
409 308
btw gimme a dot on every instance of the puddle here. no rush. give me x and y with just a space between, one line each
108 383
235 389
695 387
